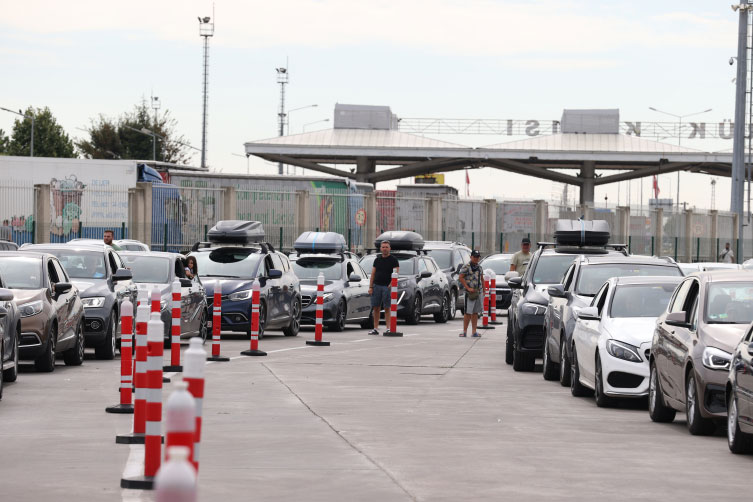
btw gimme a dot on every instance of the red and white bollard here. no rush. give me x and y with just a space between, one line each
176 479
126 366
175 330
193 375
493 297
392 328
139 378
217 324
153 436
317 341
156 300
485 319
255 319
180 418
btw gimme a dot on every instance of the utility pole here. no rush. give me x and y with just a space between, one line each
737 186
282 79
206 30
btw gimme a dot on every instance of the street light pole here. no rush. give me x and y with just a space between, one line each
314 122
737 184
31 116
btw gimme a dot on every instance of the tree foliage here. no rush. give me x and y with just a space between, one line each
4 143
122 138
50 140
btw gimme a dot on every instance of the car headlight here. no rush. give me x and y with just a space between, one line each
533 309
402 283
716 359
327 297
622 350
93 302
30 309
240 295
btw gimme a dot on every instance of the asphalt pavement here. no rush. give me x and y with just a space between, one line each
429 416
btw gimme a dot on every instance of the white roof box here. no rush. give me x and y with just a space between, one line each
401 240
236 232
320 242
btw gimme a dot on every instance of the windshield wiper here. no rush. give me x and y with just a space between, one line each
224 276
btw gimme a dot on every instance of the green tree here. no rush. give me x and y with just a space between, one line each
123 139
50 140
4 143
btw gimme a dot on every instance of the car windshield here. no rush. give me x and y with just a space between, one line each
641 300
592 277
131 247
500 265
81 264
551 267
154 269
21 272
729 303
406 264
310 268
234 263
443 257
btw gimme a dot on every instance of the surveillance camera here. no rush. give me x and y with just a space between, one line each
731 61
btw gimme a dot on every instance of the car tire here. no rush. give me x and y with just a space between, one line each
577 389
106 351
414 316
697 425
369 322
602 400
11 374
46 360
523 361
1 374
444 314
551 372
75 355
294 327
262 319
737 440
340 317
658 411
564 364
509 345
453 304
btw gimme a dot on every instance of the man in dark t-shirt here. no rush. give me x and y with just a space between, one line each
379 287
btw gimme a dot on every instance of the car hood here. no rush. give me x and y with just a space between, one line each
21 296
723 336
228 285
91 287
632 330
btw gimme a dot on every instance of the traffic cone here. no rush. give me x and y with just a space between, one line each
126 365
217 324
255 302
175 330
317 341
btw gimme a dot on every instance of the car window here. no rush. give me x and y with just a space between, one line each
113 263
678 302
729 303
277 262
431 265
592 276
465 256
60 271
550 268
285 262
21 272
568 279
236 263
443 257
456 258
602 298
406 264
692 296
153 269
310 268
360 271
52 273
749 334
500 265
694 315
422 266
640 300
349 270
367 263
81 264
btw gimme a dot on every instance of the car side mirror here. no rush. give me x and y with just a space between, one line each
122 274
354 278
425 274
62 288
588 314
185 283
274 273
557 291
510 274
3 312
750 349
677 319
6 295
515 282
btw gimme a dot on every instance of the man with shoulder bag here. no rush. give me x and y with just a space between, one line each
472 279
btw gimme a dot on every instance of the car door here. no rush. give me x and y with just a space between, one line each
742 365
586 334
678 341
424 284
59 302
361 293
660 345
555 308
71 318
435 282
350 290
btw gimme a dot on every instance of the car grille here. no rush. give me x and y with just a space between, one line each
624 380
533 337
306 300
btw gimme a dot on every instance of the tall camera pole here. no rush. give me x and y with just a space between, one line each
737 195
206 30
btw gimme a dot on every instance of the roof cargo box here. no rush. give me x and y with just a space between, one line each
401 240
236 232
320 242
581 233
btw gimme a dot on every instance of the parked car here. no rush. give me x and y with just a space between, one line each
157 269
581 282
131 245
346 289
422 287
103 282
612 337
500 265
689 268
8 246
50 309
10 330
739 396
450 257
691 351
234 257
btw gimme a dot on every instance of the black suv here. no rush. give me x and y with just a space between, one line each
450 257
234 257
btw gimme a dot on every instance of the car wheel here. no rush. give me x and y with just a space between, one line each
564 365
107 349
46 361
602 400
737 440
203 328
75 355
509 345
444 314
697 425
368 323
577 389
340 316
11 374
414 317
550 368
262 319
657 410
1 375
453 305
295 322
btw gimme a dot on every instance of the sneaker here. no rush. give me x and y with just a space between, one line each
476 335
462 335
374 332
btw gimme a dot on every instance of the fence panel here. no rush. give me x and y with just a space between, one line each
516 220
17 211
182 216
86 211
276 210
339 210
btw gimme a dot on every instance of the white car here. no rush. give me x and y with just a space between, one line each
612 337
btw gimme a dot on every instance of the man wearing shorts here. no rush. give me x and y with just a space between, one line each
472 279
379 288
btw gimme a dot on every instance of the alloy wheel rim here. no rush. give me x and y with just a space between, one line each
296 316
81 343
113 344
652 391
732 420
341 315
417 308
573 366
598 382
546 355
453 304
563 368
691 399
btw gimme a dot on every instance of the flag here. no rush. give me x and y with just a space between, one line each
656 187
467 183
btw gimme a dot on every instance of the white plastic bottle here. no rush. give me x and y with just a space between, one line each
176 479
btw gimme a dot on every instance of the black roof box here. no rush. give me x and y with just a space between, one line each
581 233
320 242
236 232
401 240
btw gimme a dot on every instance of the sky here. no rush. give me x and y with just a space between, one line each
423 58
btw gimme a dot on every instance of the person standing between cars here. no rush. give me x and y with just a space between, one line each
379 287
727 256
109 234
520 260
472 279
